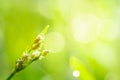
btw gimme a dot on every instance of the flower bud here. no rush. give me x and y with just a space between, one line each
39 38
35 54
36 45
45 52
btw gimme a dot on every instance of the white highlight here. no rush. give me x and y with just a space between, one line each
36 53
41 57
55 42
85 27
76 73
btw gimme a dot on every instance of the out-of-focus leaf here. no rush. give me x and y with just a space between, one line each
76 64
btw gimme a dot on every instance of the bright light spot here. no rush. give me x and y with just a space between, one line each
85 27
76 73
36 52
105 55
109 30
54 42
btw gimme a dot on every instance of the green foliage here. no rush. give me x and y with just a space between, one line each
86 29
35 52
78 65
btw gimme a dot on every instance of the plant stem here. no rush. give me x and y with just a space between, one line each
11 75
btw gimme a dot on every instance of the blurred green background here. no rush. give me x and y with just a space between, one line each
83 37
